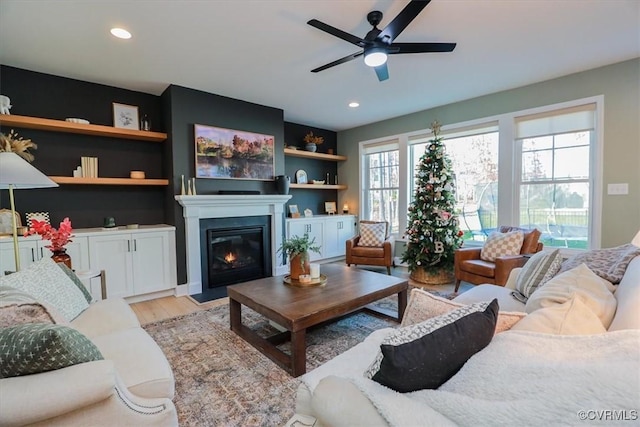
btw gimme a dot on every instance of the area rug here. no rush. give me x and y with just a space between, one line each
223 381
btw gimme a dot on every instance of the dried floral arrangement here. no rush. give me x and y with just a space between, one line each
13 143
310 138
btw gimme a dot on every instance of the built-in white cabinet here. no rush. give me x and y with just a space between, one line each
330 232
136 262
338 229
33 248
314 227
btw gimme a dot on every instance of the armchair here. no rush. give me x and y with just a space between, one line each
382 254
468 265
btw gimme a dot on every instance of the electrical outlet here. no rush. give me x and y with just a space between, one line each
618 189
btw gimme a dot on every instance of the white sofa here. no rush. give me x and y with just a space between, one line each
132 385
520 378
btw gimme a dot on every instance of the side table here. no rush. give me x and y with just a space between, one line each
91 274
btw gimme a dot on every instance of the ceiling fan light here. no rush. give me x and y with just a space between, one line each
375 57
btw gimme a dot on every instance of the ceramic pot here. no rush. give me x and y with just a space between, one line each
61 255
282 184
311 147
297 268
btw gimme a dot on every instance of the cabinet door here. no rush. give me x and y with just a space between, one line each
112 253
338 230
315 229
151 262
26 250
78 250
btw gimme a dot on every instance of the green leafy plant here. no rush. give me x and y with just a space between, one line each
299 246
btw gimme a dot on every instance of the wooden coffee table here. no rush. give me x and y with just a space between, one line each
296 309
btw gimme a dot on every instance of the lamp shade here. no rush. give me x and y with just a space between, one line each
18 173
636 240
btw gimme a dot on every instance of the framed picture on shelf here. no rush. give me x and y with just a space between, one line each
330 207
293 211
6 224
125 116
233 154
301 177
40 216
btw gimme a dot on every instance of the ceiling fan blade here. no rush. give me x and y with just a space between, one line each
421 47
338 61
336 32
400 22
382 72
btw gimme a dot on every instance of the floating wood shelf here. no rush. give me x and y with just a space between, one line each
68 127
108 181
311 155
319 186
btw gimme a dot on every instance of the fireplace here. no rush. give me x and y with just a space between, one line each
234 250
218 206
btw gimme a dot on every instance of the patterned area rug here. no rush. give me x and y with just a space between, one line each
223 381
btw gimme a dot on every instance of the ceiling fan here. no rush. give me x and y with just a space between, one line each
377 44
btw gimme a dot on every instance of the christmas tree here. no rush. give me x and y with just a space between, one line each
433 233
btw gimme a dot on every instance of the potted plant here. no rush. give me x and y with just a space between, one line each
297 249
312 142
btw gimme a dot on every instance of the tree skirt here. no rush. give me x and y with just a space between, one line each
223 381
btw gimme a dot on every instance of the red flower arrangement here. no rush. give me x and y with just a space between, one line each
58 238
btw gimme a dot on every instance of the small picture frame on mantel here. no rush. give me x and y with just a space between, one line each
125 116
293 211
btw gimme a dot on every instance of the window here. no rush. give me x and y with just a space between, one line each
555 179
474 156
381 166
535 168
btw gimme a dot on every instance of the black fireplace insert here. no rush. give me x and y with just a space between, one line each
234 250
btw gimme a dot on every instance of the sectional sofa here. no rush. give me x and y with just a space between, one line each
568 361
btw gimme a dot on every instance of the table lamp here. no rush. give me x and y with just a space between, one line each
636 240
17 173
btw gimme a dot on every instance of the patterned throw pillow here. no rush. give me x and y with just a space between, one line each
423 305
46 282
432 359
410 333
372 234
502 244
76 281
541 267
608 263
40 347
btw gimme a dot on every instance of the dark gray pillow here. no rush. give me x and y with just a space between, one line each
429 361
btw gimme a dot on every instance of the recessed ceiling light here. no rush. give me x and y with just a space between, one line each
121 33
354 104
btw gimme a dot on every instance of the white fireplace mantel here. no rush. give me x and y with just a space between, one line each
195 208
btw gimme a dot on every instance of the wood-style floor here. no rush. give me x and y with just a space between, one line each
168 307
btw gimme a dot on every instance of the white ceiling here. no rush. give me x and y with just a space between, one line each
262 51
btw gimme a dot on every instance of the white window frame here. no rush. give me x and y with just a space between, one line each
509 161
369 147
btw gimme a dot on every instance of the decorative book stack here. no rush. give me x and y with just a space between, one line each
89 167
